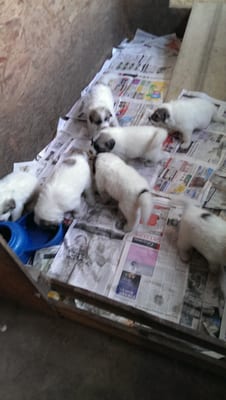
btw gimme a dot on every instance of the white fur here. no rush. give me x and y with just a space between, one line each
207 235
123 183
134 142
187 115
63 189
16 189
100 99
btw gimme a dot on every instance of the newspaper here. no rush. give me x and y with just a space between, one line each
43 258
87 260
150 275
138 74
141 268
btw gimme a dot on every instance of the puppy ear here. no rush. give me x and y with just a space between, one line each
94 117
110 144
8 205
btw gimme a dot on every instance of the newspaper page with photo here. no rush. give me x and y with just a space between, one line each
138 74
150 275
87 260
142 268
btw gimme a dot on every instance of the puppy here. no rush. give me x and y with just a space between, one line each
123 183
185 116
206 233
100 109
63 189
16 189
132 142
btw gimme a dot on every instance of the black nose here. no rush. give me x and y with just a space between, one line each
154 117
96 147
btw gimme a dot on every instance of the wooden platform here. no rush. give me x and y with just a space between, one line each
201 66
201 63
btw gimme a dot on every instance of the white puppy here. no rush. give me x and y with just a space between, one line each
16 189
132 142
206 233
63 189
100 109
185 116
123 183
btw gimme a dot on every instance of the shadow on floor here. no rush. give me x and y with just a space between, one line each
49 358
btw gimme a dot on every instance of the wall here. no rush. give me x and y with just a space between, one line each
49 51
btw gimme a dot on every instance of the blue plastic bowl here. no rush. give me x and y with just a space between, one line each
24 237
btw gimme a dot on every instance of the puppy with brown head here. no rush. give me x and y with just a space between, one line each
100 109
201 230
185 116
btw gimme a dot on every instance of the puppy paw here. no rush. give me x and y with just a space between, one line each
127 228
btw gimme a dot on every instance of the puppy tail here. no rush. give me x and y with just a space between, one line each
159 137
145 204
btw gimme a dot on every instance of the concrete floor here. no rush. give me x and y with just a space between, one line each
49 358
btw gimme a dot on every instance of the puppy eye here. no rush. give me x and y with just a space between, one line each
156 117
107 118
98 122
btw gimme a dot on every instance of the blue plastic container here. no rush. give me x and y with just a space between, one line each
24 237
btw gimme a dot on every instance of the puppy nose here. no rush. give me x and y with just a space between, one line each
153 117
96 147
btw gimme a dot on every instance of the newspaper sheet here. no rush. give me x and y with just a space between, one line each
87 260
138 74
142 268
150 274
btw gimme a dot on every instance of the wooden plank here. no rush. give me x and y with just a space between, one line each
148 339
15 283
201 63
139 316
